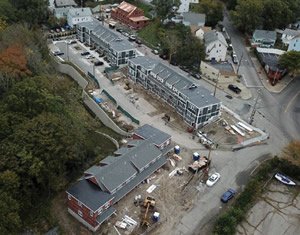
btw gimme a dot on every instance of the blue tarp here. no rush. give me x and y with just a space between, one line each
98 100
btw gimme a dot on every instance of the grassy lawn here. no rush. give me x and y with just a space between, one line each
149 34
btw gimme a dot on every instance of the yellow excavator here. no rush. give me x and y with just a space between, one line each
148 202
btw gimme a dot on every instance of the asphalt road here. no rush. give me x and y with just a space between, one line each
281 110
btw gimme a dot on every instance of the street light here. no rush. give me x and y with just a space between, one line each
216 84
254 108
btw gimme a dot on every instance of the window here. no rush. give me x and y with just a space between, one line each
69 197
79 204
80 213
91 213
100 211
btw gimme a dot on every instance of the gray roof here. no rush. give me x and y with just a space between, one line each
121 45
271 60
89 194
291 32
144 61
264 35
192 18
65 3
80 12
115 174
61 12
93 197
121 151
213 36
149 132
199 96
105 214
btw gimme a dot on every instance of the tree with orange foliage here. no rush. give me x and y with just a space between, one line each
292 152
13 62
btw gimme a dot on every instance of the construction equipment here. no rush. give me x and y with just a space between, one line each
148 202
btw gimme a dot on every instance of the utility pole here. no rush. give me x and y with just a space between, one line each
237 71
216 84
254 108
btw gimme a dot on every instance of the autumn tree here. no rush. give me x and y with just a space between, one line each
291 61
292 152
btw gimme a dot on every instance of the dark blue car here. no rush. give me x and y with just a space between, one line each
228 195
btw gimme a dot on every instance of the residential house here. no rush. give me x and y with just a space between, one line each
199 32
215 46
61 12
185 5
130 15
79 15
288 35
218 72
94 34
191 18
294 44
158 137
90 200
268 58
193 103
64 3
263 38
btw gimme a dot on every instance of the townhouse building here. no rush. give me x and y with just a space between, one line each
193 103
90 200
118 50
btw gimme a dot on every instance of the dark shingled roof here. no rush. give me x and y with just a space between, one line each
149 132
89 194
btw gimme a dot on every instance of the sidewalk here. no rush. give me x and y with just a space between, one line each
279 87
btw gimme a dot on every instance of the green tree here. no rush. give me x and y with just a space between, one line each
213 10
7 11
247 15
276 14
291 61
163 8
31 11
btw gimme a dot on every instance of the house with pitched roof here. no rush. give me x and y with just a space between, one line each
215 46
117 49
64 3
195 104
159 138
218 72
90 200
193 19
288 35
294 44
263 38
130 15
79 15
185 5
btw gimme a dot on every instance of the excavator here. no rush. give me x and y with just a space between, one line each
148 202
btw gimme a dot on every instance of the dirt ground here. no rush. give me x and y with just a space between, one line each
174 196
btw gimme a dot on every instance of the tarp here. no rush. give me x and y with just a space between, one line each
98 100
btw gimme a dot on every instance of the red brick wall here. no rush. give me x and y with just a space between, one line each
136 137
74 206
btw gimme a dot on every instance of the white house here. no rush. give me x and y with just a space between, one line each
215 46
185 5
79 15
191 18
199 33
288 35
294 44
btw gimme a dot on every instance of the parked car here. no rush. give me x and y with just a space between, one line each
196 75
163 56
98 63
228 195
234 88
125 34
213 179
57 53
90 57
139 42
57 30
84 53
155 52
119 30
62 29
234 58
70 42
132 38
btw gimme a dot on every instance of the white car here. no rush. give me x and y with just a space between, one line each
213 179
